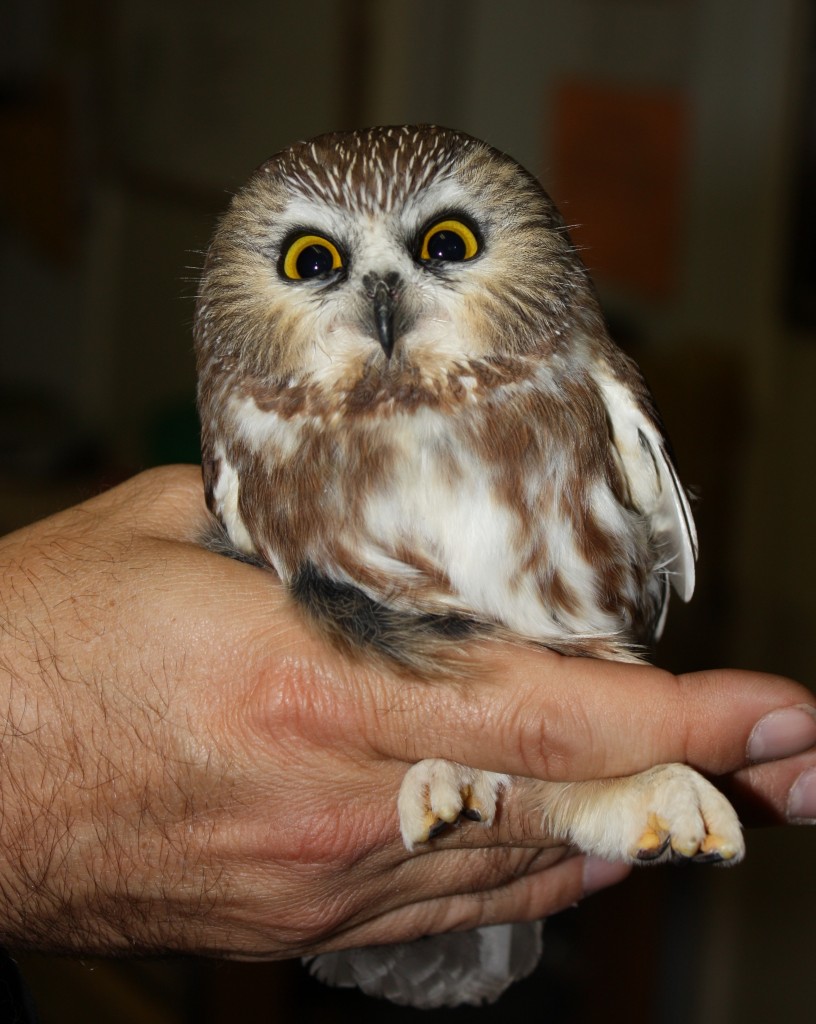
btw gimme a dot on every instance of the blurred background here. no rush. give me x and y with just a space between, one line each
679 139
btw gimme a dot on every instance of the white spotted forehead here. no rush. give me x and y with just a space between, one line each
375 179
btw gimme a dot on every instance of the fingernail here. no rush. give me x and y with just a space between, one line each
802 799
600 874
783 733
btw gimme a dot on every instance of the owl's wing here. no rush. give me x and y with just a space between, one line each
642 452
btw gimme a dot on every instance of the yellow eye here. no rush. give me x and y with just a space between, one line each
449 241
310 256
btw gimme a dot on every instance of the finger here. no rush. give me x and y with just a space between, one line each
335 908
539 714
435 872
774 793
545 890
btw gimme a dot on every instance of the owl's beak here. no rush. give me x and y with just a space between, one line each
384 294
384 317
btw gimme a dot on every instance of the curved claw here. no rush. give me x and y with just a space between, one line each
653 853
437 829
709 857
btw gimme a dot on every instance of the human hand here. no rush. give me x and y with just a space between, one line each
186 767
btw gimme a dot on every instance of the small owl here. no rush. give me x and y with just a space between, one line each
412 411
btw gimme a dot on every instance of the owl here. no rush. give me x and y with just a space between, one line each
412 411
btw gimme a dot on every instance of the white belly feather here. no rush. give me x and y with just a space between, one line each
458 522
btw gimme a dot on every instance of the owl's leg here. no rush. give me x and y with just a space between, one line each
666 813
435 793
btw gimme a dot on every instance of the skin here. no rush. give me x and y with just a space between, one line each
186 767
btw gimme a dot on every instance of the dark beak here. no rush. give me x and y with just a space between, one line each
384 317
384 294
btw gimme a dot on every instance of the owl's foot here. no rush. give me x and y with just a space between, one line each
436 793
688 819
667 813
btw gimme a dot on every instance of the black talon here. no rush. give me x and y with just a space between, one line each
471 814
708 858
437 829
649 855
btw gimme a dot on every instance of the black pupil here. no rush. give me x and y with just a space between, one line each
314 261
446 245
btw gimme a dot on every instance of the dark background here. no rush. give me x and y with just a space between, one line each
679 137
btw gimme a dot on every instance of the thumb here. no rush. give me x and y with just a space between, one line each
539 714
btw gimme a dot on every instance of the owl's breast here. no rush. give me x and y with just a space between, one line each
498 510
503 531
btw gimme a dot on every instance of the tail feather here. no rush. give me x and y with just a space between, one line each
438 970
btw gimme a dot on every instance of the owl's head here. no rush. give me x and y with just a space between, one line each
369 252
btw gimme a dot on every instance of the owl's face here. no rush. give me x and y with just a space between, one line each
385 252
